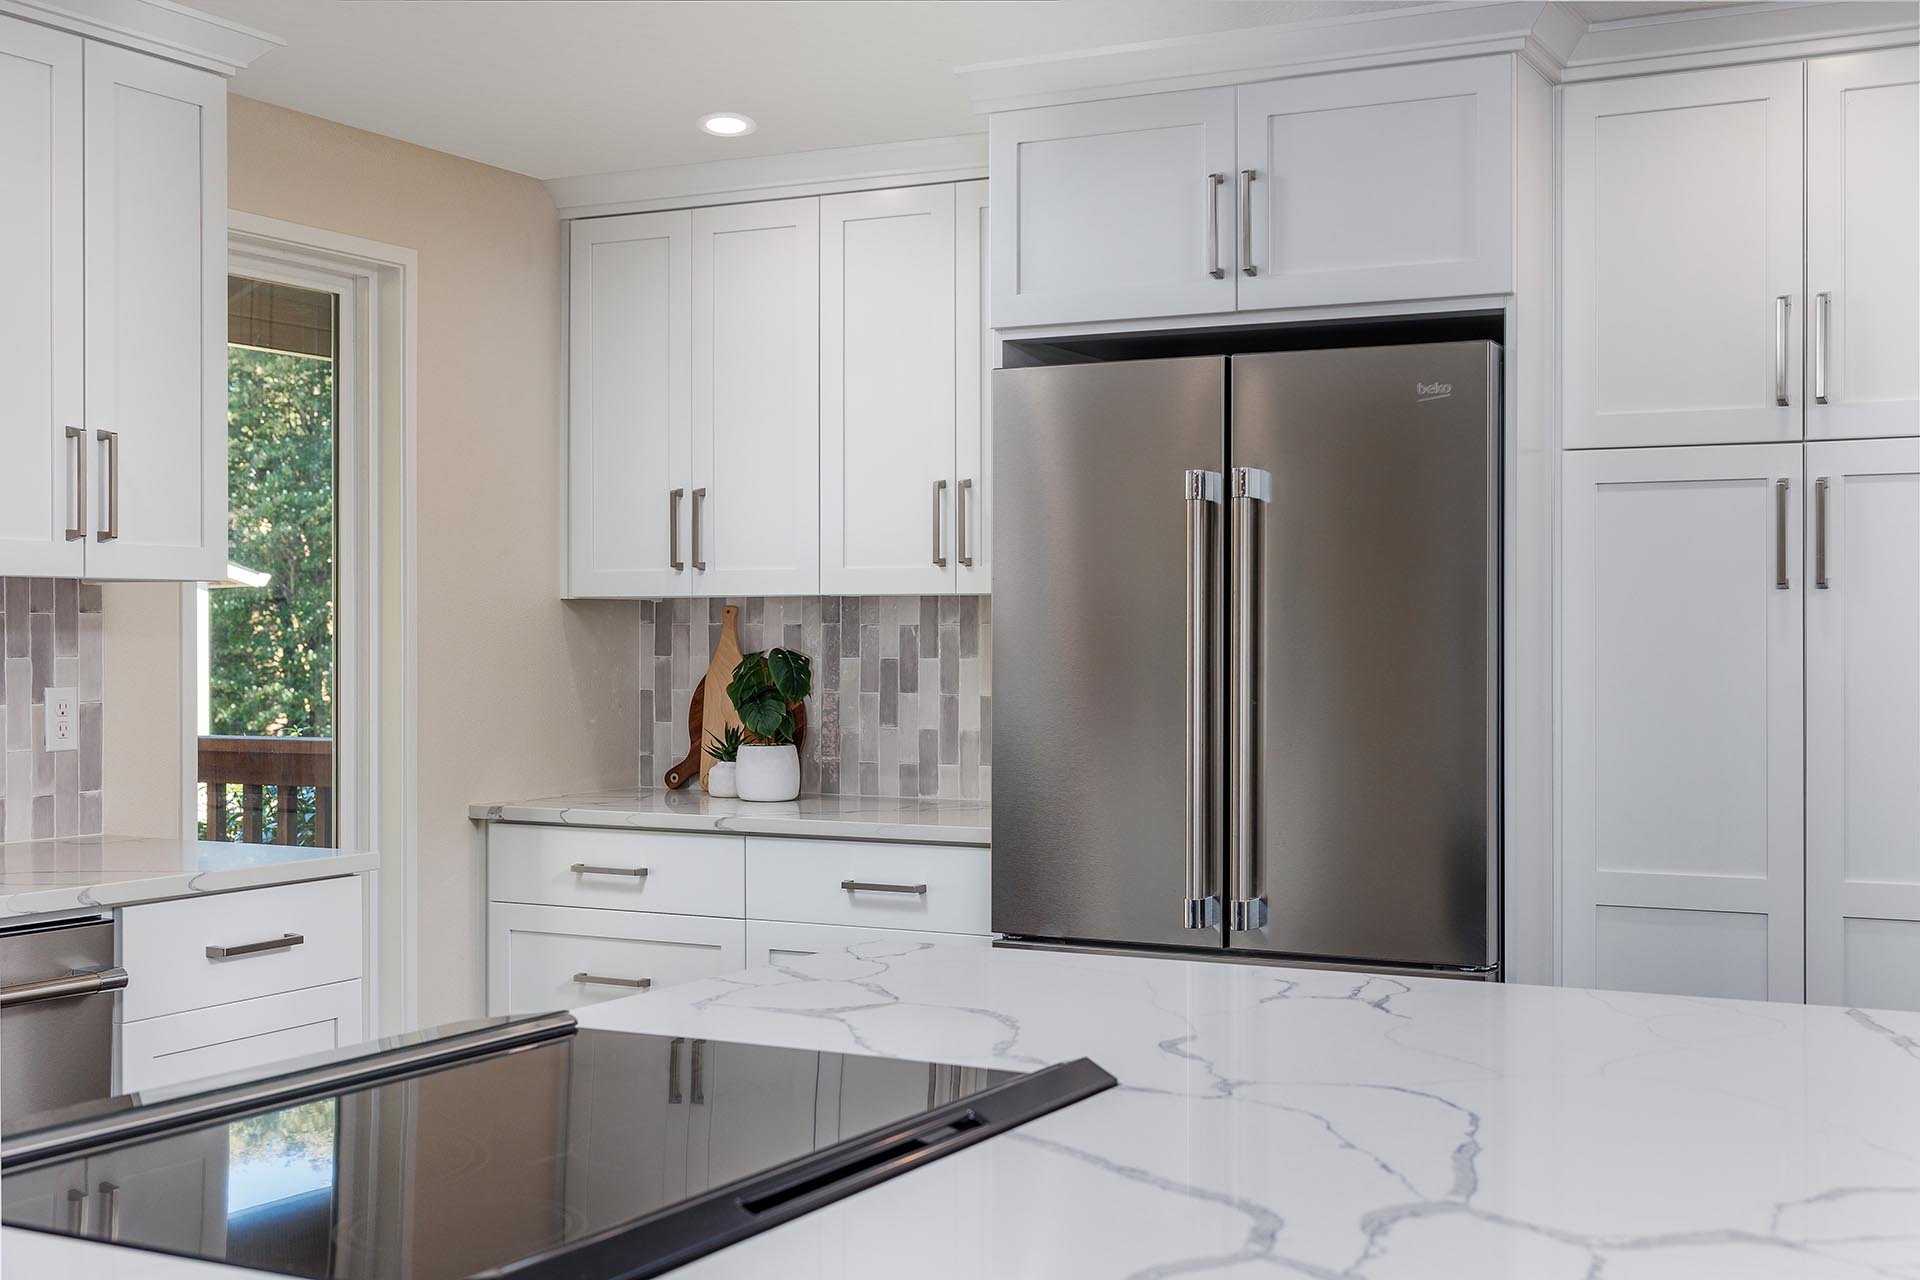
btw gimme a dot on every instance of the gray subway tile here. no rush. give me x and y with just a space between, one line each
794 637
949 613
40 595
830 777
929 626
909 780
930 751
949 663
66 618
949 730
889 692
40 626
869 779
42 828
90 745
869 659
92 813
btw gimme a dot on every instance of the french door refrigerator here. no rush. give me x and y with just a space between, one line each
1246 634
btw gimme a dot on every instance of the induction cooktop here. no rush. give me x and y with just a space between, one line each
533 1149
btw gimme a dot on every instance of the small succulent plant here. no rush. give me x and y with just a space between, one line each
726 749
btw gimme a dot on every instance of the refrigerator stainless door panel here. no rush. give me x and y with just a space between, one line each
1090 648
1374 705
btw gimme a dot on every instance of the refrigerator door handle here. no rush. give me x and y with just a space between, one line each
1201 491
1250 489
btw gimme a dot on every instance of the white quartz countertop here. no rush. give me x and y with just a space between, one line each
41 876
1275 1122
842 817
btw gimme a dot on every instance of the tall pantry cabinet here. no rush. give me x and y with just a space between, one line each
1740 538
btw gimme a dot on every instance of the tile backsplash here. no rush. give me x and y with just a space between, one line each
902 687
51 631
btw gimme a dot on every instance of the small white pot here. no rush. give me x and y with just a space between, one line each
768 773
722 780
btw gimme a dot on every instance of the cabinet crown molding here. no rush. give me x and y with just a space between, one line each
158 27
1555 38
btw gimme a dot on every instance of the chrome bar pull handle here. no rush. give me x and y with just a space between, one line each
1821 303
673 1070
877 886
1246 223
112 440
1820 534
591 869
1782 308
602 980
1201 492
699 537
110 1209
939 491
699 1073
1214 269
78 529
1781 582
1250 490
79 1215
90 983
673 530
961 550
285 942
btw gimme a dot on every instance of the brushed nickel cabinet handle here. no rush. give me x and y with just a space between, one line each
1251 489
699 1072
699 535
589 869
673 530
673 1070
1214 269
79 1215
1820 534
112 440
602 980
1780 579
1782 308
871 886
110 1209
285 942
939 489
962 552
1201 492
1821 303
78 529
1246 223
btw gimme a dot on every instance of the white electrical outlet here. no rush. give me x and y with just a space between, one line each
63 720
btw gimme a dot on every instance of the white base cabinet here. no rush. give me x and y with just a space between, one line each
544 958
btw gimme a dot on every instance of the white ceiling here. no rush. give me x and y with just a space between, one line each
559 88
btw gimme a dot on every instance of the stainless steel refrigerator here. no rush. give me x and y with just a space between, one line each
1246 651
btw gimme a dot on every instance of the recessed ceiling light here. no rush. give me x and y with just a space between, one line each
728 124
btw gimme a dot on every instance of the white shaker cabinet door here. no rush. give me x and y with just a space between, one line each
754 510
629 405
974 359
1863 244
41 442
1863 724
1377 185
544 958
1681 258
156 322
1681 696
1113 210
887 369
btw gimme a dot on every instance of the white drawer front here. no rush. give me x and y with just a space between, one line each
236 1037
939 888
537 955
686 874
775 941
163 946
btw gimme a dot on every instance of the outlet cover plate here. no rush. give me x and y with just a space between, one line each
63 719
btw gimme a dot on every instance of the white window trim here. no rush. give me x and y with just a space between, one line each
376 709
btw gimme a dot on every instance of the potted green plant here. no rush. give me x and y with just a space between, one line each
765 689
725 750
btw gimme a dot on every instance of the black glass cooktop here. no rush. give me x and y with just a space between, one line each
547 1151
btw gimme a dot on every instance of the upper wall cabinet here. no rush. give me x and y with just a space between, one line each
630 374
1111 210
1378 185
974 359
113 409
1680 258
1863 244
1355 187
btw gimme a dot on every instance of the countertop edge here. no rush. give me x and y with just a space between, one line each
734 824
169 886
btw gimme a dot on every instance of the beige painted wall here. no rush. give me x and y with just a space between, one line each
519 693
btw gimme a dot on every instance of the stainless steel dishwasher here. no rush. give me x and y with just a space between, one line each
56 1014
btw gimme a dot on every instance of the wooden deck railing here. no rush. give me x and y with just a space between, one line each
255 764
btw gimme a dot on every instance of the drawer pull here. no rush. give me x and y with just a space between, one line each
588 869
869 886
601 980
284 942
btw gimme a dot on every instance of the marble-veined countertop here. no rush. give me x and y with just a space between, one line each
924 819
81 872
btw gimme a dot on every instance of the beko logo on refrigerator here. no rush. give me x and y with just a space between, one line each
1432 391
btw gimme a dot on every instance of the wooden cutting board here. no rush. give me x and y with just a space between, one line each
718 708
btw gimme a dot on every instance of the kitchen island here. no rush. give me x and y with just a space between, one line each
1315 1123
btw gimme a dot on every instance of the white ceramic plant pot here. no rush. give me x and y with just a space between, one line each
768 773
722 780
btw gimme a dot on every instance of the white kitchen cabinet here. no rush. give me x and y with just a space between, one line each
1113 210
870 884
754 508
156 320
1863 244
41 335
178 1047
1378 185
1681 258
888 368
1681 701
776 941
974 361
545 958
629 405
1863 723
672 872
